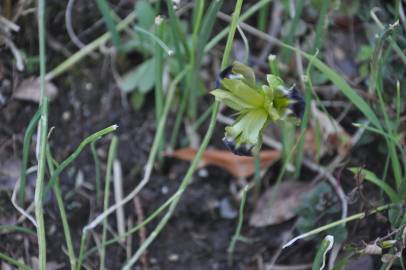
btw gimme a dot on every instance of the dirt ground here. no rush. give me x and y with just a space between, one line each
88 99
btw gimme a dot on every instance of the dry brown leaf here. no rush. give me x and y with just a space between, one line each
29 90
333 134
278 203
238 166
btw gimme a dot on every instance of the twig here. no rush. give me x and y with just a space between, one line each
143 233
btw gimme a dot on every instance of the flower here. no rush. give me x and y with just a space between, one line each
256 105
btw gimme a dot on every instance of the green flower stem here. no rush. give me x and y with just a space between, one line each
188 177
43 131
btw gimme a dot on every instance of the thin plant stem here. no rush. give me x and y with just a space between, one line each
148 169
26 151
62 212
88 49
339 222
43 130
188 177
7 228
95 136
97 169
15 262
110 159
320 25
237 233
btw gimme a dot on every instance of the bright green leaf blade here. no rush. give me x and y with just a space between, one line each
371 177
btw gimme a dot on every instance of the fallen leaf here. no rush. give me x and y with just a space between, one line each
29 90
238 166
333 134
278 203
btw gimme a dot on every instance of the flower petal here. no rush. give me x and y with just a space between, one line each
247 128
274 81
244 92
230 100
246 72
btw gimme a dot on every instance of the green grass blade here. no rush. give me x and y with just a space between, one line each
108 20
292 30
97 170
371 177
15 228
26 152
325 246
321 25
110 159
345 88
95 136
237 234
89 48
15 262
62 212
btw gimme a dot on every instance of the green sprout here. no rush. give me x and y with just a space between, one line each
257 106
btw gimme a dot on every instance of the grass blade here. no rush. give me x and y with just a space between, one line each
371 177
110 159
26 152
95 136
108 20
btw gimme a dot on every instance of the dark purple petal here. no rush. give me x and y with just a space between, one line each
223 74
298 105
240 150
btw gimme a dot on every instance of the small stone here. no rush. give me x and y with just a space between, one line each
173 257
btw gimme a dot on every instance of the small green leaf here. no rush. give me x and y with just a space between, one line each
141 78
145 14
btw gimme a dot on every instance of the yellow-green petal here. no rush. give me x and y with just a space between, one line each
244 92
230 100
246 72
274 81
247 128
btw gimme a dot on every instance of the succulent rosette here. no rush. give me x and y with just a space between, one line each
257 106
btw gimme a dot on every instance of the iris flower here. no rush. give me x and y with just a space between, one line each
256 105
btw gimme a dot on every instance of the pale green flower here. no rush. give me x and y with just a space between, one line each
256 105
